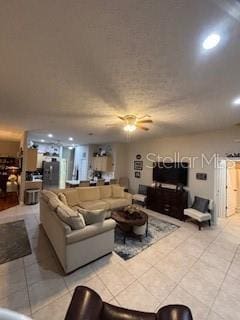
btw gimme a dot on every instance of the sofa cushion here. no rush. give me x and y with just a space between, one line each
88 193
54 203
115 203
200 204
73 218
93 216
47 195
94 205
75 208
197 215
117 191
90 231
72 197
63 198
105 192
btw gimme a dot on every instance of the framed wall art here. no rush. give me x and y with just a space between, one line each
137 174
138 165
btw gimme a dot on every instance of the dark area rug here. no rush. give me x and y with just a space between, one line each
157 229
14 242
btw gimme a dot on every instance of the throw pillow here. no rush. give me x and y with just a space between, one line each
93 216
47 195
72 197
200 204
105 192
62 197
73 218
54 203
117 191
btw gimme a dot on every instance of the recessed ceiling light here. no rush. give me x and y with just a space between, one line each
211 41
70 139
236 101
42 140
50 135
130 127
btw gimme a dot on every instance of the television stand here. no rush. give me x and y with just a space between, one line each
167 201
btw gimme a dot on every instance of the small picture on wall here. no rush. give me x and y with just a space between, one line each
137 174
138 165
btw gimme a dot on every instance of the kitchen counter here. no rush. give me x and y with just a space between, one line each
37 184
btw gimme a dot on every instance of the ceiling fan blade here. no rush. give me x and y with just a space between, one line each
110 125
145 116
145 121
122 118
141 127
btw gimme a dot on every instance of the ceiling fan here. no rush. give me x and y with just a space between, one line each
132 122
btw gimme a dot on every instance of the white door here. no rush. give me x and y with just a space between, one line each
232 188
238 186
220 189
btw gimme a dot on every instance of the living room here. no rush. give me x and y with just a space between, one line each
119 147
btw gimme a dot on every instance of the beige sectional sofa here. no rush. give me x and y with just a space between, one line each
91 198
77 247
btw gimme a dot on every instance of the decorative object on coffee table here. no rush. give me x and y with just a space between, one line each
157 229
132 222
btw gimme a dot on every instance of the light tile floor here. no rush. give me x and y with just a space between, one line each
198 268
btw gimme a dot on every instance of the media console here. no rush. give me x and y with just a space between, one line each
167 201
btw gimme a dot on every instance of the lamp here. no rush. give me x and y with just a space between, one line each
130 124
130 127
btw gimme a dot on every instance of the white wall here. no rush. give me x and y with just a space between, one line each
219 142
120 160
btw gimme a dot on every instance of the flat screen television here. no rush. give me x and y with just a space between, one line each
171 173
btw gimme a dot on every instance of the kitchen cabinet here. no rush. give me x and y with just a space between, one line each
31 160
103 164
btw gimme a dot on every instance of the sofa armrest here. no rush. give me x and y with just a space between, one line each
118 313
128 196
86 304
46 214
90 231
174 312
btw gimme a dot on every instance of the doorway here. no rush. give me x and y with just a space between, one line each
232 188
227 188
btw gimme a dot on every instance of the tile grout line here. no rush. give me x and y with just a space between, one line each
197 260
105 286
25 275
225 276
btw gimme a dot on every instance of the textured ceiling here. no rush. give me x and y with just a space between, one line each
69 67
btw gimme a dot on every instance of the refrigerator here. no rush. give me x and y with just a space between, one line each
51 172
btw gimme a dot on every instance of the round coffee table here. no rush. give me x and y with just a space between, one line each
128 222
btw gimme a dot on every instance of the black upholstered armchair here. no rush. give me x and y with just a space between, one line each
86 304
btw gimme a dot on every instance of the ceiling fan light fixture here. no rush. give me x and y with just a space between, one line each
130 127
211 41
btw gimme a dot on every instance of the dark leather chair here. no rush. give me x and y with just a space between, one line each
86 304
